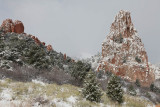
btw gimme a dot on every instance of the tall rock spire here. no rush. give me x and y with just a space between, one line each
123 52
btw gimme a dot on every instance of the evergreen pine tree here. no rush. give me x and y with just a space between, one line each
100 74
80 70
132 91
91 90
36 56
137 83
152 87
114 89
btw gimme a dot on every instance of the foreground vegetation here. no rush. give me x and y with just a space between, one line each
36 92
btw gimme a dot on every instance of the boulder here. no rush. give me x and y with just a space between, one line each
7 26
18 27
49 47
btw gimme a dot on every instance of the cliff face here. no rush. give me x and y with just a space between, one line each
123 52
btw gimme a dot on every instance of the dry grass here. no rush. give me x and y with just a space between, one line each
29 91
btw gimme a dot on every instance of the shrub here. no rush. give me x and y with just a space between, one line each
153 88
121 38
138 84
108 73
100 74
25 73
58 76
138 59
118 39
91 90
148 95
114 89
80 70
131 90
124 59
36 56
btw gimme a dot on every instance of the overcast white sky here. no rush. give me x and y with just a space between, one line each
78 27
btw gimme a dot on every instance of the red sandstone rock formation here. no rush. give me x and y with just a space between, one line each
123 52
73 60
49 48
18 27
44 43
9 26
65 56
158 105
37 41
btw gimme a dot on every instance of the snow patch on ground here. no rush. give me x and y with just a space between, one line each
124 89
2 81
72 99
61 103
14 103
38 82
6 94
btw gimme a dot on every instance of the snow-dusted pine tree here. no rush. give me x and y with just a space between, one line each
138 84
114 89
91 90
131 90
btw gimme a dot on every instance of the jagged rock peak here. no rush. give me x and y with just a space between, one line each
123 23
123 52
124 18
122 26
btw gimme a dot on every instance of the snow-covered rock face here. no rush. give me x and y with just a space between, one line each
123 52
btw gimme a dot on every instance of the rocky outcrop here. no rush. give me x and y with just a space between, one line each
37 41
64 56
123 52
9 26
44 43
73 60
49 47
17 27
